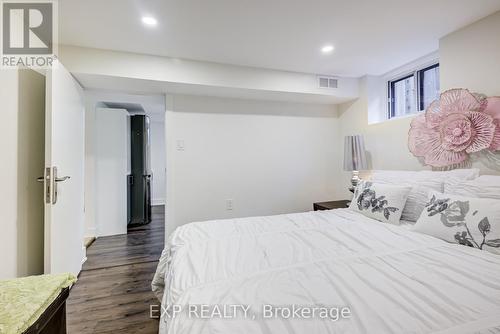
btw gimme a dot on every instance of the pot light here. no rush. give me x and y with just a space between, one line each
149 21
327 49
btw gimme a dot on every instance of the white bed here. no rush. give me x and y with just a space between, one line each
392 279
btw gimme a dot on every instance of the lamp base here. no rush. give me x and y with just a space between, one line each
355 178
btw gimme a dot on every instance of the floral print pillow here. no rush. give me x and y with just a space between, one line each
473 222
382 202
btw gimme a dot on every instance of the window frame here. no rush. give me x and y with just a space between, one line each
392 100
419 87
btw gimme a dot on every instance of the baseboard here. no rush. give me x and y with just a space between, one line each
111 233
88 241
84 249
158 201
90 232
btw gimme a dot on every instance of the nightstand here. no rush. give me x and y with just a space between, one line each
341 204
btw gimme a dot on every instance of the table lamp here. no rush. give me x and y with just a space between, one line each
355 157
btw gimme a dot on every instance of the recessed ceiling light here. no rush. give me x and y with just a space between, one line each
149 21
327 48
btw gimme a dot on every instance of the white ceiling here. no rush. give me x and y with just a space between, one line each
151 105
370 36
140 87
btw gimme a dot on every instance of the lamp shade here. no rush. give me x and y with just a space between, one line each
354 153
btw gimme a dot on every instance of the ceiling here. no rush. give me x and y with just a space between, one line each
107 88
370 36
151 105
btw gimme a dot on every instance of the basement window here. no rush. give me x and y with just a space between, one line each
413 92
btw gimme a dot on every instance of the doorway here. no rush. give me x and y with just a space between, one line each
124 161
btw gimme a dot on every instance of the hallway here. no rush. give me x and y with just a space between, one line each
113 292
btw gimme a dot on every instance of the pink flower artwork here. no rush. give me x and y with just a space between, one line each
454 126
493 109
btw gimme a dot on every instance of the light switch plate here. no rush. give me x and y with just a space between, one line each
180 145
229 204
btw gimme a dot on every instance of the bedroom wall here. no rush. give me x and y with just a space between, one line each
158 161
90 163
22 147
386 142
8 168
268 157
469 58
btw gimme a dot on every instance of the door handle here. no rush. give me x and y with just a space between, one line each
51 184
56 180
42 179
62 179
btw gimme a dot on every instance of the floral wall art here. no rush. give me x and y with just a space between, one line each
456 128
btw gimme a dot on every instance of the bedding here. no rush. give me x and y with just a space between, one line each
485 186
422 183
464 174
392 280
474 222
382 202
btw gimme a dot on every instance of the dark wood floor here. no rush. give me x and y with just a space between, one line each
113 293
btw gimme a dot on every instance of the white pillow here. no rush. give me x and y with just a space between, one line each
422 176
380 201
464 174
422 183
485 186
473 222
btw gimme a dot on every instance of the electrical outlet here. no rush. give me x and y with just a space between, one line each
229 204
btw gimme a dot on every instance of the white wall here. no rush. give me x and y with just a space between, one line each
104 69
111 169
8 173
90 162
22 95
268 157
469 58
158 163
386 142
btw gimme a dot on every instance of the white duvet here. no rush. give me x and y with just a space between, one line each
392 280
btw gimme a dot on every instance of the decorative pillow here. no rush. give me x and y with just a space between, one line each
417 198
473 222
422 183
485 186
380 201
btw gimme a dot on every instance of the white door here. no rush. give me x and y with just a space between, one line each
64 172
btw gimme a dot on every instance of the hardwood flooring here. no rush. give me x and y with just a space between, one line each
113 293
